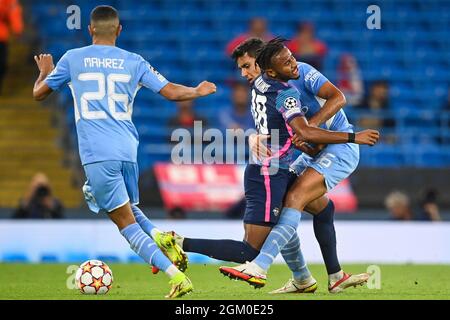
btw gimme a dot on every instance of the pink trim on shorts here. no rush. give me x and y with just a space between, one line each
265 172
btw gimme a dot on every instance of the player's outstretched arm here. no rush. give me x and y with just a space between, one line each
178 92
45 65
304 132
335 100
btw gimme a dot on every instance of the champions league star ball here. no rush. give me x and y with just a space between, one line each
94 277
290 103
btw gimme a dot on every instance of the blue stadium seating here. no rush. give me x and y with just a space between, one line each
185 40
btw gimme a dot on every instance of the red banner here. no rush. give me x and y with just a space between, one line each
200 187
217 187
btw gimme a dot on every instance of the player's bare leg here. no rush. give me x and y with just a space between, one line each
255 235
147 249
309 186
316 206
122 217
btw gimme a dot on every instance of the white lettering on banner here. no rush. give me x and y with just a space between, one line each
212 175
183 175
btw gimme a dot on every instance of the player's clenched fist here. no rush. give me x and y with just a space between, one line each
44 63
206 88
369 137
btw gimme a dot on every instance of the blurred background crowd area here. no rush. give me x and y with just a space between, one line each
396 79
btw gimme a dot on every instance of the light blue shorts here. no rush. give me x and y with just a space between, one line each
110 185
336 162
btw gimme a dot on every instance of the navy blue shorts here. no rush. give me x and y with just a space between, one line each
264 194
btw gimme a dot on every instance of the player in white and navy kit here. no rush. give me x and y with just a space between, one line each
104 80
274 104
307 193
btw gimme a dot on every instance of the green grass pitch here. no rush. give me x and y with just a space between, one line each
135 281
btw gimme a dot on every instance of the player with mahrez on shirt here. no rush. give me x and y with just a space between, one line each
104 80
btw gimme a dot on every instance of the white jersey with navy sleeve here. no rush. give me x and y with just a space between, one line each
274 105
104 81
309 84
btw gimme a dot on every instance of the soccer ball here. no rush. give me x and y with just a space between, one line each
94 277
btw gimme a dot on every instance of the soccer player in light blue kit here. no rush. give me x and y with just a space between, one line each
104 81
318 173
266 196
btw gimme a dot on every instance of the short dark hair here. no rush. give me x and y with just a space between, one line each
265 54
102 13
249 46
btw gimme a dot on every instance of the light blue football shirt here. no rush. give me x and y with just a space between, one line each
104 81
309 84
